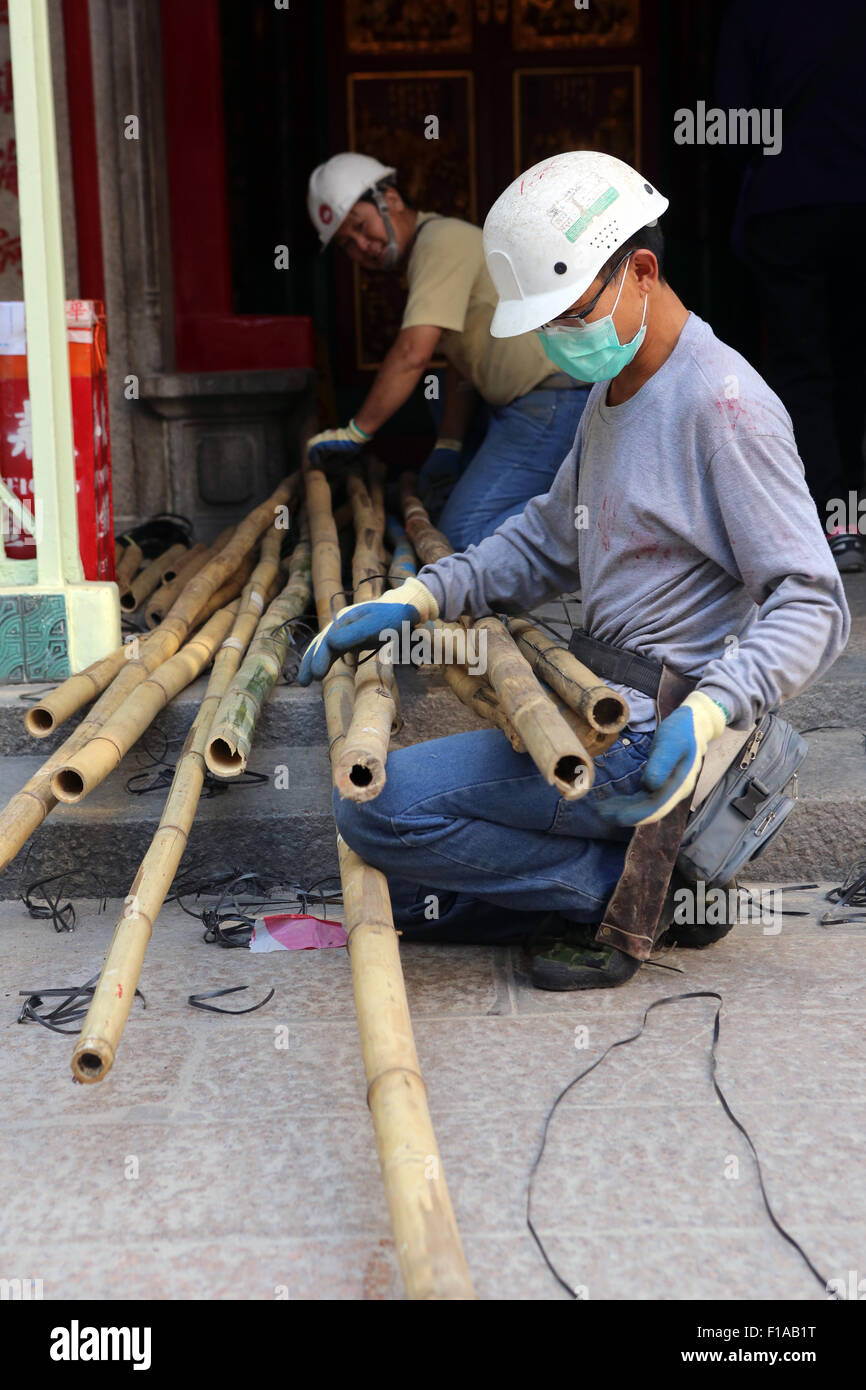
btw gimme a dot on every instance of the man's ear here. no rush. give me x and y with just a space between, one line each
394 201
646 268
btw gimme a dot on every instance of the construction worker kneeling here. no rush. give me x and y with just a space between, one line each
530 407
699 529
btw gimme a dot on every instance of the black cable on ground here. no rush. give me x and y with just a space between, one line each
623 1042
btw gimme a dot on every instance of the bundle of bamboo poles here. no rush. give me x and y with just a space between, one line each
213 587
96 1048
551 738
235 721
427 1240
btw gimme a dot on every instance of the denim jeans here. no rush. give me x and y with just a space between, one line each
477 847
522 450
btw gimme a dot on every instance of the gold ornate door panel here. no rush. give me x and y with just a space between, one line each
559 109
554 24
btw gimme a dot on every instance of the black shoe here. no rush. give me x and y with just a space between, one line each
702 934
849 551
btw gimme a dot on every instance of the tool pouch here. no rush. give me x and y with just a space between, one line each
747 806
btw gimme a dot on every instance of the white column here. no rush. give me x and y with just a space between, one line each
59 561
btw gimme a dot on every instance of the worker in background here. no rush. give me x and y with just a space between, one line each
534 408
801 214
700 530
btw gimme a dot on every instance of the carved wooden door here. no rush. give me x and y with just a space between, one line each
461 95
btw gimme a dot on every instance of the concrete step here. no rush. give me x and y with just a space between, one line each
290 827
106 836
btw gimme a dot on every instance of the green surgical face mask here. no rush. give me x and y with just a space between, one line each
591 351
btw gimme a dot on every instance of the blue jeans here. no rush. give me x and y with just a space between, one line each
477 847
519 457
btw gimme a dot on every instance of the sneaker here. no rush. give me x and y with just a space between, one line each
848 550
577 962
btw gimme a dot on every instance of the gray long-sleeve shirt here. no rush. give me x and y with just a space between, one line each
686 515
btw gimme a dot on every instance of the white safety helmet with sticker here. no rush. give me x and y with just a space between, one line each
548 235
336 186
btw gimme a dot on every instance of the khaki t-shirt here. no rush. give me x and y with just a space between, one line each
450 288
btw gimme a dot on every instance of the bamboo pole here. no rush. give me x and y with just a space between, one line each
57 706
196 558
235 722
79 690
167 591
27 809
359 772
144 583
88 768
555 749
430 544
127 565
427 1240
476 694
101 1031
605 710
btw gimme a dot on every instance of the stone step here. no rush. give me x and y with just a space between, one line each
107 835
286 821
291 715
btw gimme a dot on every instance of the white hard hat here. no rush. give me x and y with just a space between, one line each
548 235
336 186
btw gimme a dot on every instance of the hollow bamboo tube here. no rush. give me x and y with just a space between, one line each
234 726
167 591
89 767
555 749
144 583
128 564
359 772
103 1026
27 809
603 709
188 611
481 698
76 691
427 1240
430 544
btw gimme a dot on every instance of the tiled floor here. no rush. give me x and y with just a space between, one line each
211 1164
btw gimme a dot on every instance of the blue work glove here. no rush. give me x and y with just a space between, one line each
360 626
439 474
671 770
344 443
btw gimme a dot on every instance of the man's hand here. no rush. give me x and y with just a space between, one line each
673 765
439 474
360 626
344 443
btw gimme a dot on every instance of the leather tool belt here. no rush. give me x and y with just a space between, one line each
632 918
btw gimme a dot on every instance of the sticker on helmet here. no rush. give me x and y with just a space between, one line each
574 231
325 213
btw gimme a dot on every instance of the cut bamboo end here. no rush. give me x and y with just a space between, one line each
605 710
223 758
359 775
144 583
92 1060
557 752
128 564
57 706
72 782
